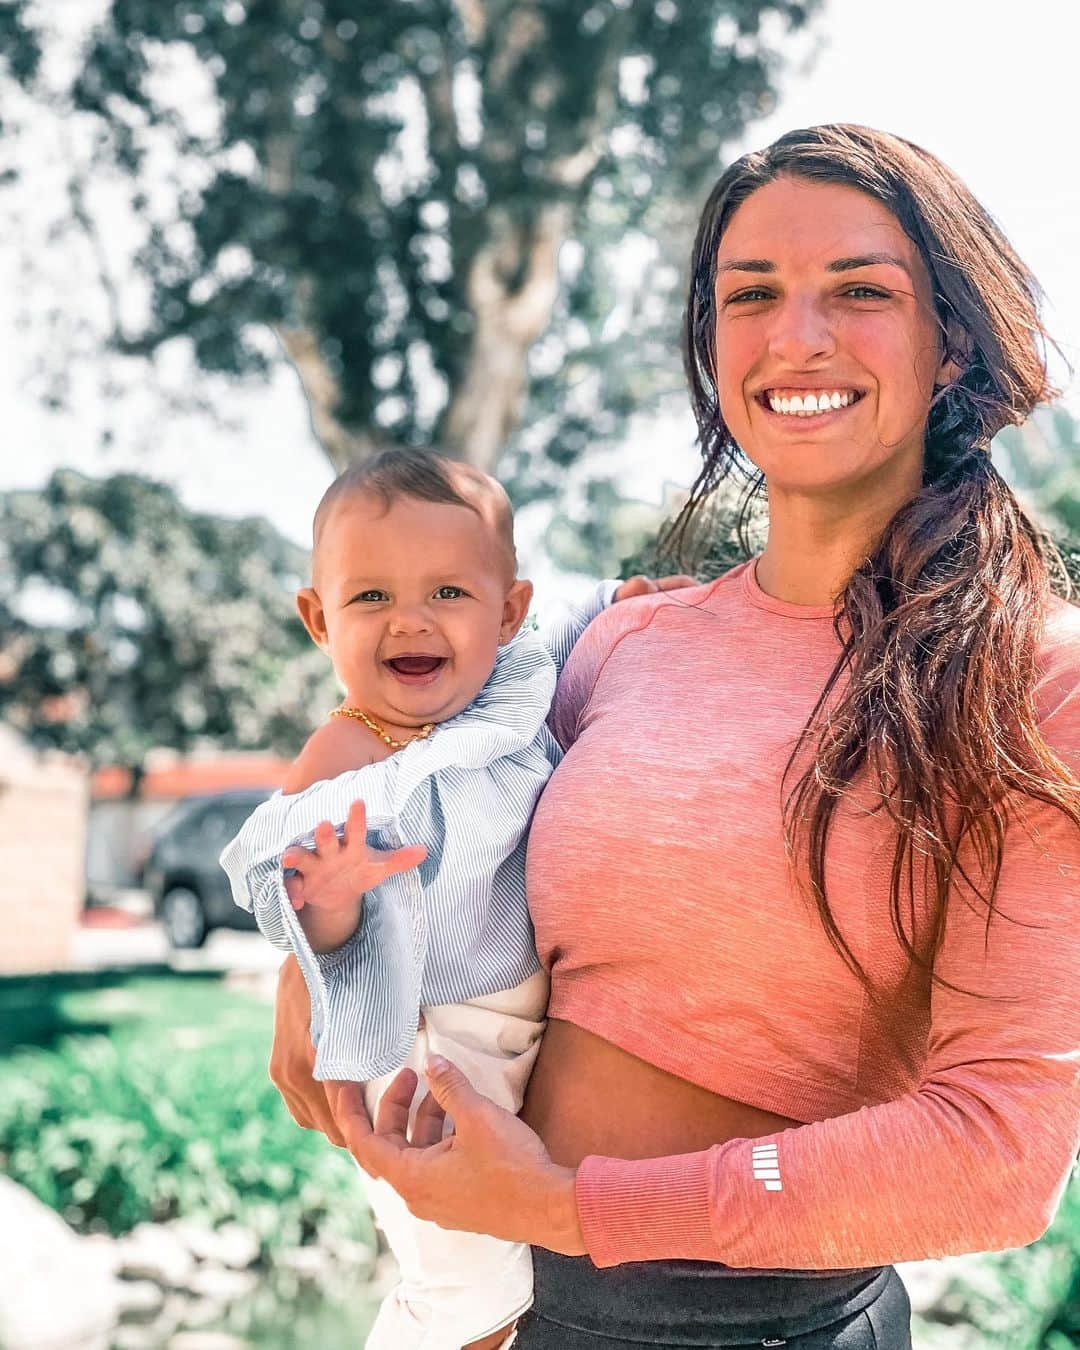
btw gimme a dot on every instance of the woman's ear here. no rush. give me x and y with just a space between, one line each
956 353
309 607
515 607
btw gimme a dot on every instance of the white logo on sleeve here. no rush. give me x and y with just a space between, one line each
767 1166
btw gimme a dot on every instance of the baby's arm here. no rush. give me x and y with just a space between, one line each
326 885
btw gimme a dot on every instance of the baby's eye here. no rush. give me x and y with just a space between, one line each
449 593
372 597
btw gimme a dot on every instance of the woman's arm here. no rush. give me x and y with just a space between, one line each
975 1159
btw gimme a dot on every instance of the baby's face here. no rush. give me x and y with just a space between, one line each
415 600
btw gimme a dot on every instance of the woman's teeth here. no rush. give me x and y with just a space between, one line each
810 405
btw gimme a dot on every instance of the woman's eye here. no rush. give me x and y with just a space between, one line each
449 593
866 293
742 297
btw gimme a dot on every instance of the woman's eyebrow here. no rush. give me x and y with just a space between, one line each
837 265
867 260
746 265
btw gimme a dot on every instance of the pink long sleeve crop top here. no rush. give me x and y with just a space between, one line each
934 1121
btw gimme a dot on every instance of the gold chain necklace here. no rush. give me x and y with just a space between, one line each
383 735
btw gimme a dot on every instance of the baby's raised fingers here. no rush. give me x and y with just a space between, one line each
326 840
356 823
295 857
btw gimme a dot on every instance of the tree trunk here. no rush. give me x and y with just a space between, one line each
341 446
508 319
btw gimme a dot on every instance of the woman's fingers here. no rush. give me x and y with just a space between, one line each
634 586
452 1090
674 583
429 1122
392 1113
347 1107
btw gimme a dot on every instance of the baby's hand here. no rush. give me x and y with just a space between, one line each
335 874
648 586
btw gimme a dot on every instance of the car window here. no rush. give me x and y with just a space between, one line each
236 813
216 827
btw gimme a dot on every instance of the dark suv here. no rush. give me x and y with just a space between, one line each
182 873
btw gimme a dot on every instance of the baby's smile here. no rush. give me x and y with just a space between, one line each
416 668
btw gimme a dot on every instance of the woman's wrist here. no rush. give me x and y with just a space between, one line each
565 1233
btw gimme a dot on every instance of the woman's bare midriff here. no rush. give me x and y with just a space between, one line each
588 1096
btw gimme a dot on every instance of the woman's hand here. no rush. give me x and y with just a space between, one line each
292 1057
492 1175
642 585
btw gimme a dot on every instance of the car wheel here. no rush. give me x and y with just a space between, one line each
183 917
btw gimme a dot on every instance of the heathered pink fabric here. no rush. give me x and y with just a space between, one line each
935 1122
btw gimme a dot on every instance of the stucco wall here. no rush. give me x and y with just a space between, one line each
42 857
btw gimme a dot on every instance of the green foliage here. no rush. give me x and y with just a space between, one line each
128 1099
1044 460
1027 1299
129 622
386 179
20 48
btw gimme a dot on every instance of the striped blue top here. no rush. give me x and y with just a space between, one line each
458 926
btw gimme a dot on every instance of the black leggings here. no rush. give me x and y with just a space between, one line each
697 1303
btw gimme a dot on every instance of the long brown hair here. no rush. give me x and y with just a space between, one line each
932 694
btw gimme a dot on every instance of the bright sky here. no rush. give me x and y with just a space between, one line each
992 89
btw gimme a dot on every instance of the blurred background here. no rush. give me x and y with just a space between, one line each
244 243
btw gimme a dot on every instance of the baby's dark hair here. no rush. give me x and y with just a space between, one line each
428 477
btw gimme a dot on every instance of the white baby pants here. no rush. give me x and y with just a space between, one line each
457 1287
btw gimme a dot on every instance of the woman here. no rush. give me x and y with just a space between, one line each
805 880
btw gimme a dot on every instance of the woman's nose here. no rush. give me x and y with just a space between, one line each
800 332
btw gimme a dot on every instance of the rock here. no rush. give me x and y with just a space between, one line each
206 1340
348 1252
386 1275
231 1245
136 1337
193 1314
105 1251
224 1286
55 1288
153 1252
310 1263
140 1300
927 1281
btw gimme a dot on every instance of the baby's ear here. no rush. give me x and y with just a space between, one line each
515 607
310 609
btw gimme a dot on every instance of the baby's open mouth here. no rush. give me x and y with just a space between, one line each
415 665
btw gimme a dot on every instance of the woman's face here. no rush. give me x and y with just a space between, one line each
827 345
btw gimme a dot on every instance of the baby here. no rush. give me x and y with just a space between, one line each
421 941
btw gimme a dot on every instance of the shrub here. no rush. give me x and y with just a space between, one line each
151 1100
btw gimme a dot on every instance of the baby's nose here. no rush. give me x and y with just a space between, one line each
411 619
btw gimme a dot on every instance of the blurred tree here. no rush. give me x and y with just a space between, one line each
1042 459
389 187
129 622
